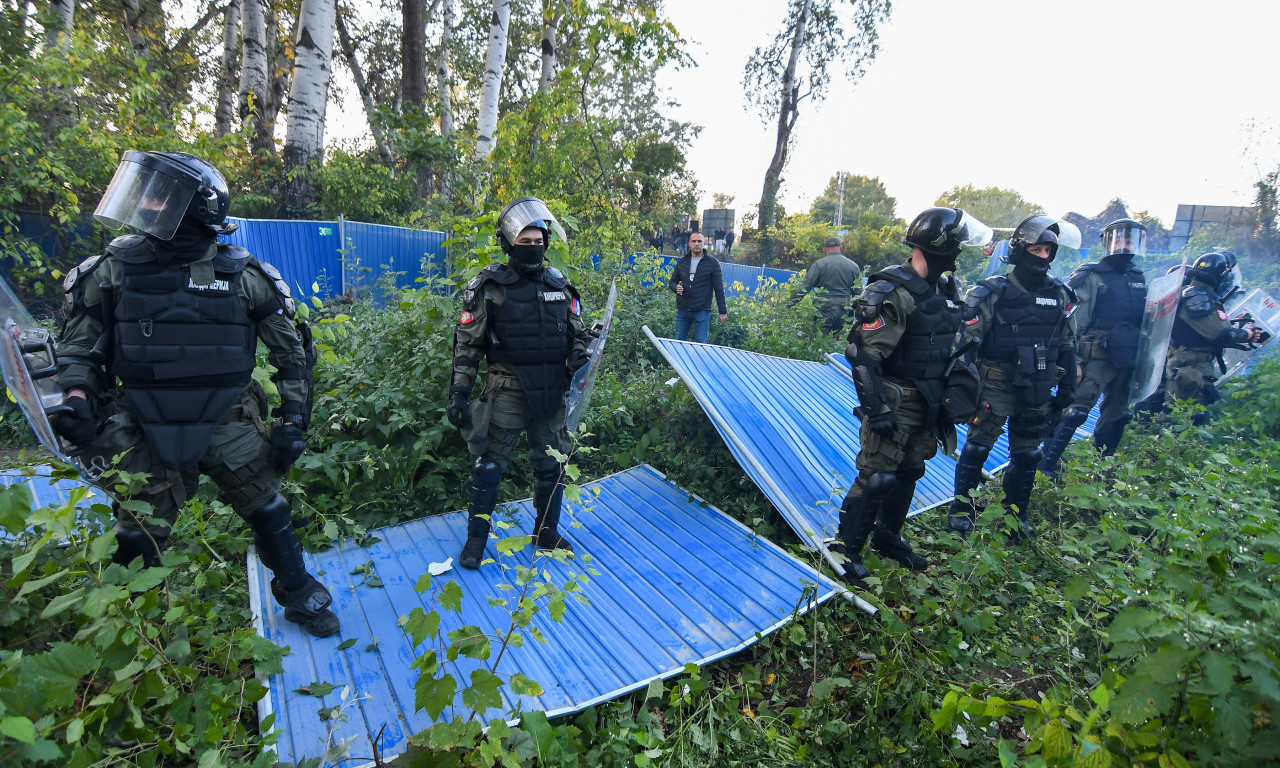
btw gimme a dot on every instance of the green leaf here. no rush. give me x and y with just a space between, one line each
537 725
1008 758
319 690
513 544
75 731
523 686
61 603
345 644
18 728
422 625
148 578
1077 588
433 694
483 695
451 597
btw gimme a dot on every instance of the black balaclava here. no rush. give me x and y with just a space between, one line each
189 243
1031 271
939 264
527 260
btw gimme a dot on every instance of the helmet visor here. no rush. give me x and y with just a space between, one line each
528 213
1068 234
144 196
1125 240
970 231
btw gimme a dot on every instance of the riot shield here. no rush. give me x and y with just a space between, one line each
1265 311
1157 325
584 381
28 362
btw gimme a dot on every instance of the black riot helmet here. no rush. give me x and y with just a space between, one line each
1036 230
1124 237
943 231
154 191
522 213
1216 269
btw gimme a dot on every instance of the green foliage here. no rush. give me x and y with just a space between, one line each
875 242
798 239
354 185
992 206
861 195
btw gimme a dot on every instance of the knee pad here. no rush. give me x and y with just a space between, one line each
486 472
1073 417
974 454
1026 461
910 473
272 516
880 483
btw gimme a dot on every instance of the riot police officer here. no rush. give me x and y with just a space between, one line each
1112 295
901 346
526 319
1021 329
156 361
1201 331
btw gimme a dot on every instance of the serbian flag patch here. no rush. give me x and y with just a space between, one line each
1070 310
1222 315
875 324
576 307
973 320
466 318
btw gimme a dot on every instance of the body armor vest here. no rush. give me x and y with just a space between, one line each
1125 299
929 339
530 332
182 350
1024 335
1183 335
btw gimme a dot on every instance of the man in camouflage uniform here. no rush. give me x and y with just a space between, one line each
1019 326
901 346
1201 331
1112 295
834 276
156 362
526 319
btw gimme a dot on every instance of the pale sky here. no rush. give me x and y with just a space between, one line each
1069 103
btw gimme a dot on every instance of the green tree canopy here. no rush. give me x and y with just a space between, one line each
861 195
993 206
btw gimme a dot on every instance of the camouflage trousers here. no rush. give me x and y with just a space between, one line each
236 461
499 416
1190 375
1001 403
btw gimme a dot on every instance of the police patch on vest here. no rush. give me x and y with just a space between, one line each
553 296
874 324
1044 302
217 286
466 318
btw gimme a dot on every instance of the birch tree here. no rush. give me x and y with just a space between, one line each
495 56
552 12
255 90
444 86
796 66
347 46
308 95
59 33
224 112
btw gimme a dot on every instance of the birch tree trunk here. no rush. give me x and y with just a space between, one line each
59 35
787 114
362 87
133 25
224 113
444 87
550 23
255 93
496 55
308 96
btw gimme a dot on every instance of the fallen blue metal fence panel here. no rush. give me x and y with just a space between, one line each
678 582
790 424
46 491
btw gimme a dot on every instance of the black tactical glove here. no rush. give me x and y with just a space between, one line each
458 412
1062 398
577 359
883 424
78 426
287 444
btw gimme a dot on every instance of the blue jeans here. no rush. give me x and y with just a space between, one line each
700 322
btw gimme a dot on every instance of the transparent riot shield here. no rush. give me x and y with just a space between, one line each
583 382
1264 311
29 363
1157 325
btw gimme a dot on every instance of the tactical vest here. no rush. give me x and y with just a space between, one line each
929 338
183 351
1197 299
530 332
1125 298
1025 334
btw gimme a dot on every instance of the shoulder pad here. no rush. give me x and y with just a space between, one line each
131 249
1196 301
277 281
554 278
1081 274
233 258
868 304
1068 292
949 287
499 273
896 273
979 293
80 270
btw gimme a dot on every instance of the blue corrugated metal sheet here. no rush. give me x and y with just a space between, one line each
790 424
47 492
305 252
410 253
677 582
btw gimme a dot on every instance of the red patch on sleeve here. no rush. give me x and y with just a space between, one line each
576 307
877 323
1222 315
466 318
974 320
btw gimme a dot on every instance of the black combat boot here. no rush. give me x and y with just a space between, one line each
857 517
305 600
1057 444
485 476
132 543
1107 440
1019 479
887 539
968 476
548 499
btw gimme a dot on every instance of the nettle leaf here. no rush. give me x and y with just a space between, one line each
483 694
1138 700
1219 672
1077 588
1057 740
